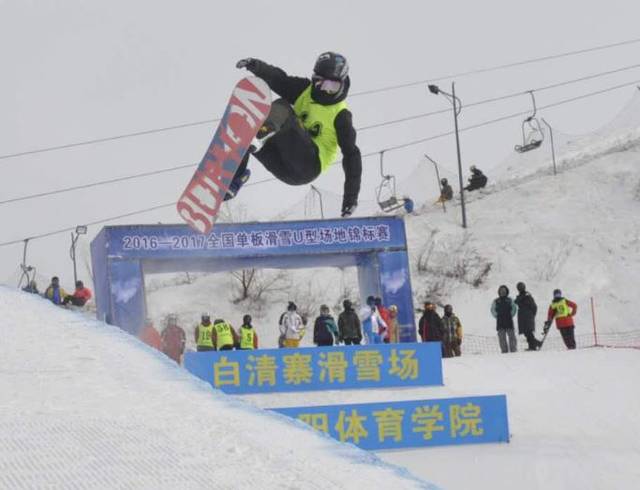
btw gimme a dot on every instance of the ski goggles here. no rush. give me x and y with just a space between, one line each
326 85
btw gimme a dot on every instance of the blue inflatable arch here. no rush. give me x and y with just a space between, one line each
122 255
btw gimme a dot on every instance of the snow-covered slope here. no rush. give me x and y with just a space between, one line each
578 231
573 418
84 405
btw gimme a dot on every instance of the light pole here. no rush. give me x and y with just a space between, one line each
80 230
457 107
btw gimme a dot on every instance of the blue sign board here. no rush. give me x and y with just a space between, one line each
396 425
236 240
319 368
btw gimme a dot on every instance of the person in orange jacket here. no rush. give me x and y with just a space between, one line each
150 336
563 311
173 339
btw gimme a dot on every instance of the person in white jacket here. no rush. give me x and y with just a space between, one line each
292 328
372 322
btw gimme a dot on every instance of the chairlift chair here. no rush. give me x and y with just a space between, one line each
386 191
532 134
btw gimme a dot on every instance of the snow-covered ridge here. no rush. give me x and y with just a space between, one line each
85 405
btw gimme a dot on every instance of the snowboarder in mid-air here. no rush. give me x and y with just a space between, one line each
305 128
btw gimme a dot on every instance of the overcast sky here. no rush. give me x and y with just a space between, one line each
77 70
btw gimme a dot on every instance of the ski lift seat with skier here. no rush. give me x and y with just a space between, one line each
532 134
386 193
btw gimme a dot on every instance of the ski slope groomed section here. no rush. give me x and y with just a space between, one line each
85 405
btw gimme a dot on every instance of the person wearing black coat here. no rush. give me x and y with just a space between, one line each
477 180
503 310
430 326
325 330
349 325
527 310
304 146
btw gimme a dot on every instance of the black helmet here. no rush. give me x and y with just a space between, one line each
332 66
444 181
246 319
292 306
521 287
347 304
448 309
557 293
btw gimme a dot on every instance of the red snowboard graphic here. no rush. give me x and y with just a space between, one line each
247 110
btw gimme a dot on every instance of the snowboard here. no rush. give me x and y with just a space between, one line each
245 114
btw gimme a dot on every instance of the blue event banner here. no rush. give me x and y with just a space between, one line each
319 368
396 425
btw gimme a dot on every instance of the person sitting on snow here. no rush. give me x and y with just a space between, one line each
80 296
54 292
477 180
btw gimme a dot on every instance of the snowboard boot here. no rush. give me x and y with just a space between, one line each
280 111
236 184
241 176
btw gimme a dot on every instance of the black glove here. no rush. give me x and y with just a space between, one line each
248 63
348 210
547 326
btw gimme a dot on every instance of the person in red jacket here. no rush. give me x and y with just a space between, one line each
80 296
563 311
173 339
150 336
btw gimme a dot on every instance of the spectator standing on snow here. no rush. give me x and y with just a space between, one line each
383 313
392 335
291 327
173 339
54 292
477 180
430 325
503 310
150 336
527 310
349 325
452 333
325 330
204 334
248 335
224 336
563 311
80 296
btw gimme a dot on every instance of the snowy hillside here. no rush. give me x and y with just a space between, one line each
578 231
84 405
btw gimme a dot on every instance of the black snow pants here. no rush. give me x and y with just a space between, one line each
290 154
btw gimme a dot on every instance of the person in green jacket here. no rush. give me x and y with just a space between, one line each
306 127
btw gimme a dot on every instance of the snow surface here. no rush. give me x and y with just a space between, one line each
578 231
573 417
85 405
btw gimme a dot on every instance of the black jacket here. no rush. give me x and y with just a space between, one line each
477 181
290 88
322 334
430 327
349 325
527 310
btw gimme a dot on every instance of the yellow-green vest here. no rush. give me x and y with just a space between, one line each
246 337
205 334
224 335
319 120
561 308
